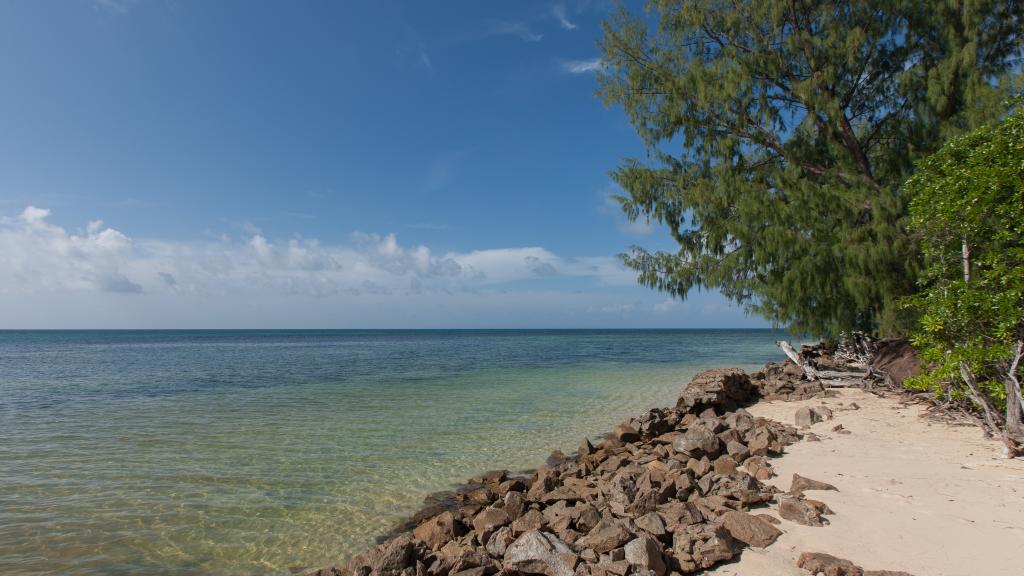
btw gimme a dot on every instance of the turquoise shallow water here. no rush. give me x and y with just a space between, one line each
255 452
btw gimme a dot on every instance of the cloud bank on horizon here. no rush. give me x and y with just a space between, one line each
100 277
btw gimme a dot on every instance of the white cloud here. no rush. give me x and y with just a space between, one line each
582 66
36 255
511 28
666 305
98 276
558 10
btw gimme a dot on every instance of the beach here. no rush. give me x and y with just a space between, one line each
772 473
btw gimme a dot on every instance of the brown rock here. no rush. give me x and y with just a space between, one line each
799 511
607 535
439 530
487 521
651 523
679 515
800 484
625 433
750 529
499 541
821 563
723 389
698 440
719 547
531 520
393 557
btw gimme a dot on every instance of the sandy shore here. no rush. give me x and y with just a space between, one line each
917 496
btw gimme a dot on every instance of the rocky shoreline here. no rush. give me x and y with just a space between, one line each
673 491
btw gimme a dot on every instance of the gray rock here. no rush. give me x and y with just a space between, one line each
696 441
644 553
537 552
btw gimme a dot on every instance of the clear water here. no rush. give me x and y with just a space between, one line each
258 452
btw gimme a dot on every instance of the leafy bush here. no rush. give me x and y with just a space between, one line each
967 207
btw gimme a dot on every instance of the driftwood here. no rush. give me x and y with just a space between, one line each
829 378
809 370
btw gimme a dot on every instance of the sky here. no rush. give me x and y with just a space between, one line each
257 164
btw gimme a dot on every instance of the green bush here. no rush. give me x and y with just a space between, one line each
967 208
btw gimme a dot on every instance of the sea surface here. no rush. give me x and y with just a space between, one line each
263 452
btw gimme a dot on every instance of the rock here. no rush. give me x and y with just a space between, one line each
885 573
719 547
725 466
544 483
696 441
393 557
625 433
805 417
737 450
644 553
823 413
722 389
750 529
439 530
769 518
531 520
607 535
537 552
800 484
896 358
651 523
799 511
679 515
515 505
486 522
587 518
828 565
586 448
499 541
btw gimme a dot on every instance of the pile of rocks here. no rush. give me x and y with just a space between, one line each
787 382
670 491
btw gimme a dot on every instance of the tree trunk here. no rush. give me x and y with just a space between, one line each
1014 437
965 255
968 376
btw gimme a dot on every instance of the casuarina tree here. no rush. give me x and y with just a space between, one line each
779 132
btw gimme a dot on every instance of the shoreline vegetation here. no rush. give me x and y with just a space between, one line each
675 490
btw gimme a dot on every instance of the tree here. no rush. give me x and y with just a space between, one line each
967 207
778 135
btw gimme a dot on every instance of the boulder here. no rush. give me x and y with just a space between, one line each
805 417
722 389
799 511
698 440
625 433
652 524
538 552
487 521
608 535
749 529
393 557
439 530
644 553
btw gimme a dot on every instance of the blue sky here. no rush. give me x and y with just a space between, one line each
324 164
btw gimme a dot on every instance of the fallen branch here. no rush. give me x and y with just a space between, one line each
809 370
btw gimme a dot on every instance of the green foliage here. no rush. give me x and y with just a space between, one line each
779 134
971 193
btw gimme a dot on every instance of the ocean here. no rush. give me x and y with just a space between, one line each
264 452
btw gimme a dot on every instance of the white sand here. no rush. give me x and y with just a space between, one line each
918 496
